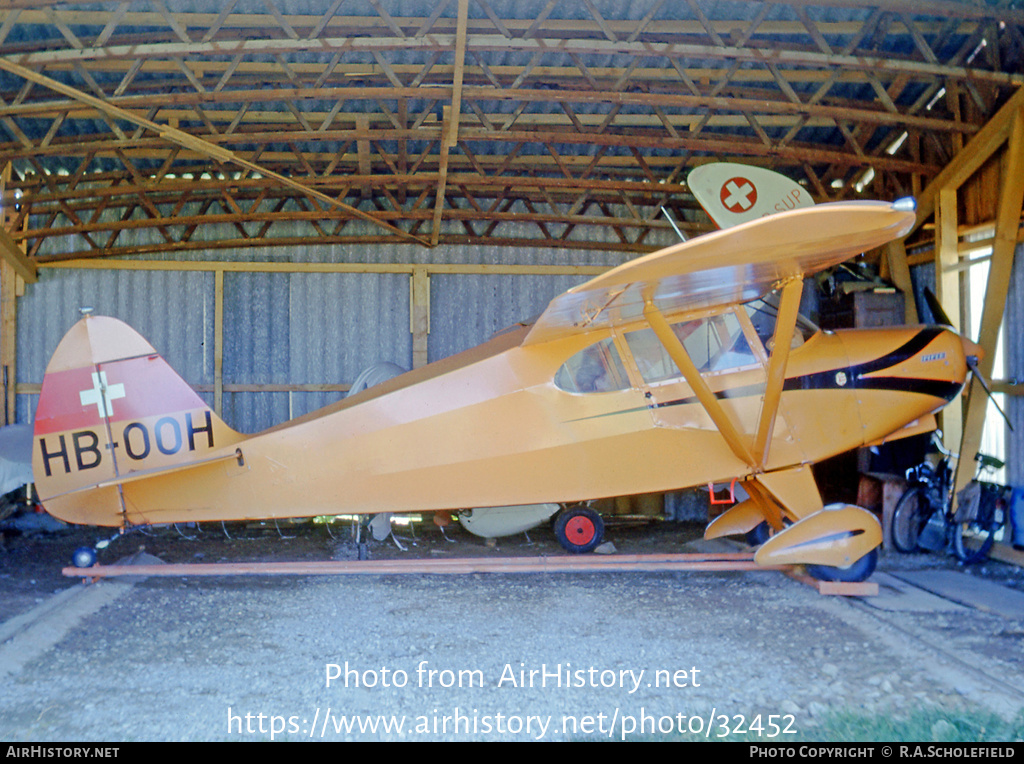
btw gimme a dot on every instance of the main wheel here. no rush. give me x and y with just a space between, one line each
858 570
579 529
759 534
909 518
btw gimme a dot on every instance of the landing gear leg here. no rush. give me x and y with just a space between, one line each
362 552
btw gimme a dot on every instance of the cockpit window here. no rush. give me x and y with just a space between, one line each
595 369
713 344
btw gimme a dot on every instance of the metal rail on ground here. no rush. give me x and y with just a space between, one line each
721 562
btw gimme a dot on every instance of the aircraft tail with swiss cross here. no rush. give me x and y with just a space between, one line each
111 410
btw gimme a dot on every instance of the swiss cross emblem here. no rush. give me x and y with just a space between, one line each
738 194
101 395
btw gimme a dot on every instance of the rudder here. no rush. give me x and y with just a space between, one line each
110 406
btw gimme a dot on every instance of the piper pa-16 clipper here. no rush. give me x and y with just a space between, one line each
683 367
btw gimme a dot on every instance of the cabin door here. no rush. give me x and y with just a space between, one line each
730 358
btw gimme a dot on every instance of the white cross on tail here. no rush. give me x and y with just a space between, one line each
101 395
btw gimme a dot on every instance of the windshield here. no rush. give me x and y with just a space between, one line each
763 314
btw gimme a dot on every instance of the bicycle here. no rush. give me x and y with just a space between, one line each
924 517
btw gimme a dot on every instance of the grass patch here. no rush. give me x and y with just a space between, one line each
931 725
928 725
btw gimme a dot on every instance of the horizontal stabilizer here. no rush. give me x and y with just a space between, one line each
110 411
131 477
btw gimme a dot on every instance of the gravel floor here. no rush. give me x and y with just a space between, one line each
465 657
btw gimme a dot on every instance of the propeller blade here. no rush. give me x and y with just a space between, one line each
936 307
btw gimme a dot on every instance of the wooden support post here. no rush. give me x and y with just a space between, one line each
442 178
947 289
11 287
9 338
1011 201
218 342
363 152
450 123
899 272
419 315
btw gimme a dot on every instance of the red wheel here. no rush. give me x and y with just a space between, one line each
579 529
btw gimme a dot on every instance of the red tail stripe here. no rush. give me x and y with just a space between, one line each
150 388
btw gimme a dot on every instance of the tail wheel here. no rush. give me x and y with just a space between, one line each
579 529
859 570
84 557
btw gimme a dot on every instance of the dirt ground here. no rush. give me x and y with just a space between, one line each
31 564
185 658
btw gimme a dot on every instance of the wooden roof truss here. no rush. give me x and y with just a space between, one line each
142 128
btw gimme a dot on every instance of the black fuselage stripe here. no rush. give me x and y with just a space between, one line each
854 377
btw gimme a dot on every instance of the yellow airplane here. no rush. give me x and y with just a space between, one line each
686 366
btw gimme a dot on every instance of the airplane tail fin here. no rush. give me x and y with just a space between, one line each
734 193
111 409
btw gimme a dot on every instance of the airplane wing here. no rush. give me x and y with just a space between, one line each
728 266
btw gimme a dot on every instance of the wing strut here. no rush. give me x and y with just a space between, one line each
733 437
785 325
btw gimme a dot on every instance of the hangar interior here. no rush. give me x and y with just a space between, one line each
281 193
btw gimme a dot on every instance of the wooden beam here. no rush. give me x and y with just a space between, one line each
182 104
654 139
12 286
935 13
947 256
1011 201
236 266
452 135
442 183
789 58
11 254
181 138
8 338
363 145
450 128
947 290
899 272
218 342
419 315
977 151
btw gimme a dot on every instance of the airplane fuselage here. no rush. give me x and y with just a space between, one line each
497 425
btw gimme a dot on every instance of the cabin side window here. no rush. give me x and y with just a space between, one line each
763 314
714 344
595 369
